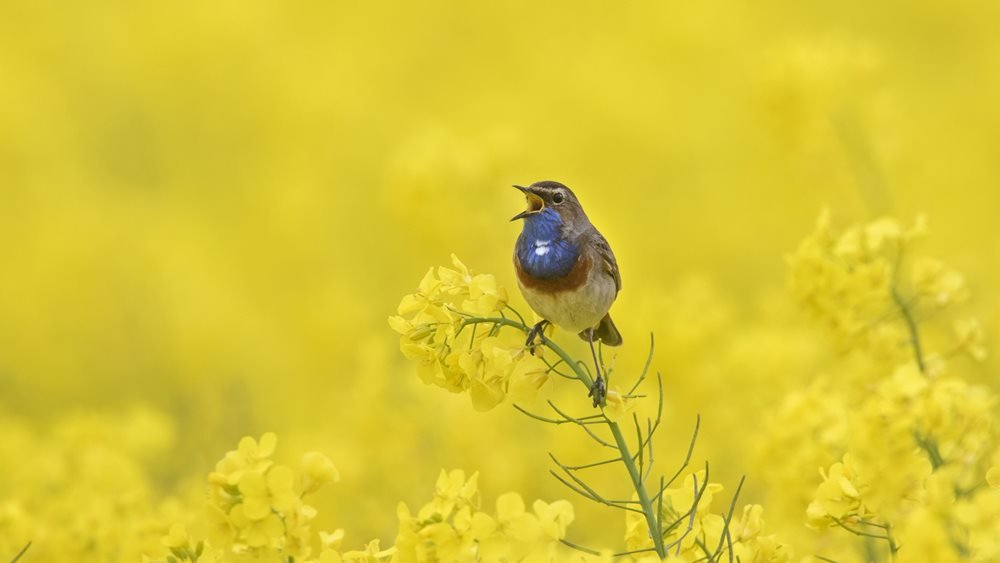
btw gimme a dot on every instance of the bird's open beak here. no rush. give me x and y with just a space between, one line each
535 203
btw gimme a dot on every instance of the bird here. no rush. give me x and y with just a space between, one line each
566 270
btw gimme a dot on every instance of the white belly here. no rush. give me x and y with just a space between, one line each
578 309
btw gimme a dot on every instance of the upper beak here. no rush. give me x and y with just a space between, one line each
535 203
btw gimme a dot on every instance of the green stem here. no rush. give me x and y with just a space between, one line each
640 488
911 325
21 553
626 454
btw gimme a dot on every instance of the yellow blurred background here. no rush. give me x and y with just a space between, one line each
209 209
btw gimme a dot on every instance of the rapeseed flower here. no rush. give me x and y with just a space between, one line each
446 328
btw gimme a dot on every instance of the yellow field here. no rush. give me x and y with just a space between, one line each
208 212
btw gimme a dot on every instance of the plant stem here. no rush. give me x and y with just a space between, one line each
640 488
21 553
911 325
626 455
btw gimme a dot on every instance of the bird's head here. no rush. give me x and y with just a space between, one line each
553 202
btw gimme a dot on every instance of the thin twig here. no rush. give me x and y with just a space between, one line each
591 494
584 485
21 553
864 534
583 425
729 516
634 551
694 505
694 512
659 415
592 419
513 310
649 432
704 548
729 543
572 545
638 441
553 368
645 368
594 464
659 510
911 325
690 452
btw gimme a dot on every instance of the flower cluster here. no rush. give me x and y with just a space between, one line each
255 509
692 531
451 527
449 328
256 512
903 440
915 456
79 490
256 504
849 280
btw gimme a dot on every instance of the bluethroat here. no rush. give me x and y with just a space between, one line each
566 270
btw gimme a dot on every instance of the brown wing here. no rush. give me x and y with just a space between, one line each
607 259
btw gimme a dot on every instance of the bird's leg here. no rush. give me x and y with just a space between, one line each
599 389
534 333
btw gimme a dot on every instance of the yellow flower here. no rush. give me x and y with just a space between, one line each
257 532
838 496
177 537
618 407
219 530
514 521
317 470
554 518
425 297
482 295
249 455
253 450
298 539
750 524
681 498
993 476
450 528
677 502
330 556
529 378
453 490
851 280
933 279
442 329
331 540
373 553
263 493
488 370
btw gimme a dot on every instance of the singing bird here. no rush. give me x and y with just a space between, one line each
566 270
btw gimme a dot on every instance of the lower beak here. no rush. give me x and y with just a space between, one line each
535 203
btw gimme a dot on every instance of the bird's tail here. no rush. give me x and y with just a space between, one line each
606 332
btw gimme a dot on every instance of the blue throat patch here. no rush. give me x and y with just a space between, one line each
541 248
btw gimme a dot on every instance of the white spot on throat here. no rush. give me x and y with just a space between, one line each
542 247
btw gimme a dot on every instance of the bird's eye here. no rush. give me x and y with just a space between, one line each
558 198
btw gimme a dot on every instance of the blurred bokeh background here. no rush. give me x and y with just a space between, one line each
208 210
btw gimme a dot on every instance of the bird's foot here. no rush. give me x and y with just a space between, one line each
534 333
599 391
